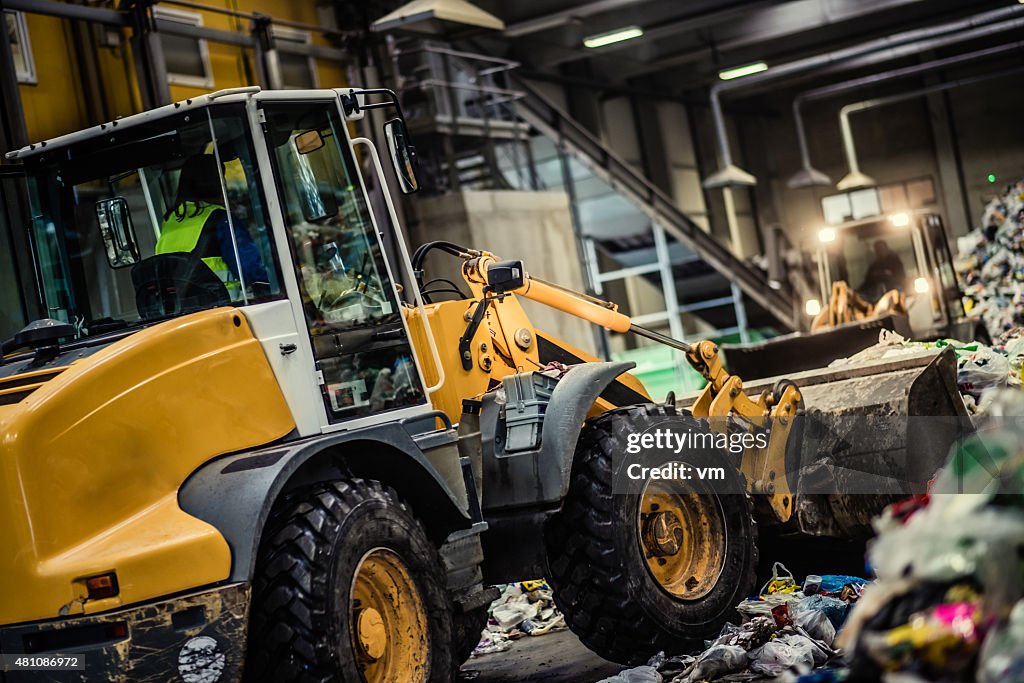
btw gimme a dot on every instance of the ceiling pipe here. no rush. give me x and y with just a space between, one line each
556 19
854 179
801 178
908 42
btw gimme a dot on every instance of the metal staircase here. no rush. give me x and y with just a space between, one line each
587 149
480 128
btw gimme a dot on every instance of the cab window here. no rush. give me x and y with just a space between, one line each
351 309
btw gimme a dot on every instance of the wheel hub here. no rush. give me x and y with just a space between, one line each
373 635
663 533
389 624
682 534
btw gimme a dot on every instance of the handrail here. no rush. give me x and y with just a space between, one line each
652 200
434 82
458 53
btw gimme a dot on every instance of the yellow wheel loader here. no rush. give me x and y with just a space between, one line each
236 449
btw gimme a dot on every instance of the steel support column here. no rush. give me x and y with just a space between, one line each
148 54
12 119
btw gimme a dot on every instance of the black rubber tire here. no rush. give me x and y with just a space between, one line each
313 542
598 572
467 627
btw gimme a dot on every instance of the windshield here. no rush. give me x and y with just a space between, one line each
152 221
876 258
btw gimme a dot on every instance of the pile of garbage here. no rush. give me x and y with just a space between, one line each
991 263
981 369
787 634
948 603
525 608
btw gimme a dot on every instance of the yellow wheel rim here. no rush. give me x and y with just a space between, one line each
682 536
388 621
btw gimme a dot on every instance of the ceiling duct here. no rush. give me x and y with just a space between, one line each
888 48
856 178
904 72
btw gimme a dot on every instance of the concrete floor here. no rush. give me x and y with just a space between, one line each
553 658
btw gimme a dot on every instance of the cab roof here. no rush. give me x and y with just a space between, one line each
225 95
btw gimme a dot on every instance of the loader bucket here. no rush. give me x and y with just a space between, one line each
802 351
871 434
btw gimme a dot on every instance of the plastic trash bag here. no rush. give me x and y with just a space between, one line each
762 607
817 624
717 661
1002 656
981 370
640 674
833 608
671 667
782 581
833 584
783 654
751 634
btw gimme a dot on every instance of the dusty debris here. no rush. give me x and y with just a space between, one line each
787 632
524 608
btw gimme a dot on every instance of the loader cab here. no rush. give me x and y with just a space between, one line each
907 251
239 198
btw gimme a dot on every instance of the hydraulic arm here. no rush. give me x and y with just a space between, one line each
721 398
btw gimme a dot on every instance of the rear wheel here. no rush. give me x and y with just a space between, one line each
348 588
659 565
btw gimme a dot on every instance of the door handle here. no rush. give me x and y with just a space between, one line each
287 349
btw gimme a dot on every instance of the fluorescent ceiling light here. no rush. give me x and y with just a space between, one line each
741 71
616 36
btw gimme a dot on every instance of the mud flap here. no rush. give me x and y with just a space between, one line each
530 433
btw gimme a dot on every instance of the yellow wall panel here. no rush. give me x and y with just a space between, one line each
120 87
54 105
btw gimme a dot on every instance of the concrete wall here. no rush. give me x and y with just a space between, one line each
533 226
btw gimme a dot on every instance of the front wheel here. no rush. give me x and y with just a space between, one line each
660 565
348 588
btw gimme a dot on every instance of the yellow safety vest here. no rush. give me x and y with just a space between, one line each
177 236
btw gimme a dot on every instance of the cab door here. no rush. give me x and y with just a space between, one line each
364 360
20 301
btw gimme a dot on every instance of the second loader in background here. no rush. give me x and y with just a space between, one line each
892 272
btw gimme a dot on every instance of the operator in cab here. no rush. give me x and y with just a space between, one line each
885 273
198 223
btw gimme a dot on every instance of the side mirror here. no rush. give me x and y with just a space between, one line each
115 221
307 142
403 156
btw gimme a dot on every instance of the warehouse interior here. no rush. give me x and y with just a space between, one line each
801 220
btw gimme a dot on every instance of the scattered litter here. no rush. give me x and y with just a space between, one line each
716 661
491 642
524 608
